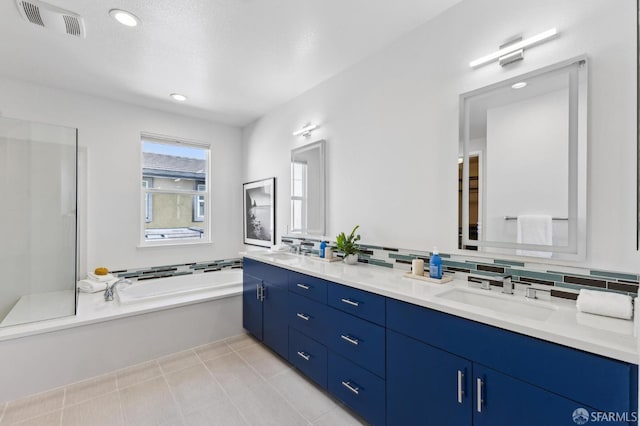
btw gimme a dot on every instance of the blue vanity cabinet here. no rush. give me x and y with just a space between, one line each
514 378
264 303
425 385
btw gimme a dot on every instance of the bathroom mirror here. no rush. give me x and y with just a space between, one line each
522 164
308 189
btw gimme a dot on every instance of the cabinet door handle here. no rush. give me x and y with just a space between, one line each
303 316
303 286
350 302
304 356
350 339
460 386
258 291
479 401
354 389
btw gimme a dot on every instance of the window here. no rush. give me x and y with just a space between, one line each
175 197
298 196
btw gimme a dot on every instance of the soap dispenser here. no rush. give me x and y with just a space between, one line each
323 246
435 265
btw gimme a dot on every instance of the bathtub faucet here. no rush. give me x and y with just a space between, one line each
108 292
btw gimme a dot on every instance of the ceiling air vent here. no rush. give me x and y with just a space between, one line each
51 17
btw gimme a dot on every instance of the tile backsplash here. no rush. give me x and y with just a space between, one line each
140 274
561 281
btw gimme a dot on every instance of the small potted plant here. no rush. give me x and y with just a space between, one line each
348 245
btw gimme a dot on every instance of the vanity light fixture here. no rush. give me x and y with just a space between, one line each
514 50
306 130
178 97
125 18
519 85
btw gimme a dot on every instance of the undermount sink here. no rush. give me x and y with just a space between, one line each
281 256
500 303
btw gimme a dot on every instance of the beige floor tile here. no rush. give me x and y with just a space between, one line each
267 363
212 350
102 411
261 405
339 416
232 372
307 398
50 419
138 373
178 361
33 406
2 407
89 389
220 413
149 403
241 341
194 387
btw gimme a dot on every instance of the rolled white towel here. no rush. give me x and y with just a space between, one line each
605 303
100 278
92 286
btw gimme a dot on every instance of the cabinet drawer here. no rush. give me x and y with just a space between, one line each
308 316
357 302
357 340
357 388
311 287
590 379
308 356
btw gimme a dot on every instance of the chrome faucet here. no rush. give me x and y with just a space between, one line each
108 292
481 283
507 284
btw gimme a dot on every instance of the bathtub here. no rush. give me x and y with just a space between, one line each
161 288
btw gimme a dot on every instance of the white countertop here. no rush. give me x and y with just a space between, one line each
610 337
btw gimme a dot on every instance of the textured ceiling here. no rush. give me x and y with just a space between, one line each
234 59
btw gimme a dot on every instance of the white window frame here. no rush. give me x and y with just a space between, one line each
198 201
147 182
148 192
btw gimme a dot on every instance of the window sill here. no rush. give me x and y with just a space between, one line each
156 244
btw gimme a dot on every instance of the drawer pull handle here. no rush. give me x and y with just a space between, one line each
460 386
354 389
479 402
303 286
350 339
303 316
304 356
350 302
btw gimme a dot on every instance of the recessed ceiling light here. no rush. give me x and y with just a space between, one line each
519 85
124 17
178 97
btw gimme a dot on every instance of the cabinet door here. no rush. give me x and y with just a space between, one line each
503 400
251 304
275 319
425 385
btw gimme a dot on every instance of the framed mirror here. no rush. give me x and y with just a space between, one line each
308 189
522 164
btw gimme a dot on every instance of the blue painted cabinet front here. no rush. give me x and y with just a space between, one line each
264 302
425 385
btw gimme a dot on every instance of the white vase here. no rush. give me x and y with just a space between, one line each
351 259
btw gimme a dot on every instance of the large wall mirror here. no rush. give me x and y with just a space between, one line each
522 164
308 189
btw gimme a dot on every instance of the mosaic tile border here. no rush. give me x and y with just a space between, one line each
562 282
164 271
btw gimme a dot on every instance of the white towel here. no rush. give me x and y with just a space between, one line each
92 286
99 278
535 229
605 303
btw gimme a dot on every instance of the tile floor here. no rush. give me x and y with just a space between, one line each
236 381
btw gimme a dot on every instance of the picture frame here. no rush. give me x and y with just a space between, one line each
259 201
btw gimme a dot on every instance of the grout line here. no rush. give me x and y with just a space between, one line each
4 408
64 400
225 390
173 397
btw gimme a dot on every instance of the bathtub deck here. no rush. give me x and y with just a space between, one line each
40 307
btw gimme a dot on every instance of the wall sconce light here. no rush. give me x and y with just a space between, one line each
306 130
514 50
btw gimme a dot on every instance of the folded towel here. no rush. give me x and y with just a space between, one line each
535 229
93 286
100 278
604 303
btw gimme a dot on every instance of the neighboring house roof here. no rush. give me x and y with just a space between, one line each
161 165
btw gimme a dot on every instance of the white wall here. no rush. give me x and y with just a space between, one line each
110 132
391 123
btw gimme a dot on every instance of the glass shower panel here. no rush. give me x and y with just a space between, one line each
38 167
